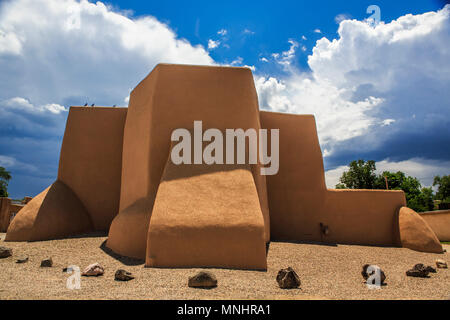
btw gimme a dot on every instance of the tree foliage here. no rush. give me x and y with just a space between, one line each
5 176
361 175
443 191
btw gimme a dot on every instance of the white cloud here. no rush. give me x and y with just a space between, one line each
7 162
374 83
317 31
213 44
387 122
286 58
341 17
263 59
11 163
22 104
423 169
304 38
55 51
222 32
248 32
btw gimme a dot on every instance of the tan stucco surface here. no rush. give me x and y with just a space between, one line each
299 200
207 216
115 173
91 160
86 195
415 233
172 97
439 222
53 214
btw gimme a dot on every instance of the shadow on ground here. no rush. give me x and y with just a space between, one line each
125 260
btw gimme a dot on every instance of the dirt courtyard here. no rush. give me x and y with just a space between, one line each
326 272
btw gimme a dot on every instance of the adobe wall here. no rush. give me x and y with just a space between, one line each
439 221
207 216
296 194
171 97
91 160
86 195
299 200
5 203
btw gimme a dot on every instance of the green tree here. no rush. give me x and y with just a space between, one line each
5 176
443 192
361 175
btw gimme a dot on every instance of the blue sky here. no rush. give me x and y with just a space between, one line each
378 92
270 23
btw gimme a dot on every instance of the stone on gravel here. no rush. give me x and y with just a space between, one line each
93 270
441 264
47 263
5 252
288 279
122 275
22 260
420 271
203 279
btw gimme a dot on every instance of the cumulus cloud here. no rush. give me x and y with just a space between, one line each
62 51
286 58
213 44
341 17
57 53
376 92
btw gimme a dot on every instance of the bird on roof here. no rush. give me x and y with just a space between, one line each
93 105
114 106
86 104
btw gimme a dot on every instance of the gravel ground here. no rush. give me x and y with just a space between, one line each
326 272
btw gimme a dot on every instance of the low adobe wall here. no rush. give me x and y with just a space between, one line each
299 200
439 221
8 210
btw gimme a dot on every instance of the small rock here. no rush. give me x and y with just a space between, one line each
288 279
366 274
420 271
5 252
47 263
203 279
93 270
441 264
122 275
22 260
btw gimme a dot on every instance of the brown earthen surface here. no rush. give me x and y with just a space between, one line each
415 233
207 216
53 214
86 195
299 200
113 162
172 97
439 222
4 213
